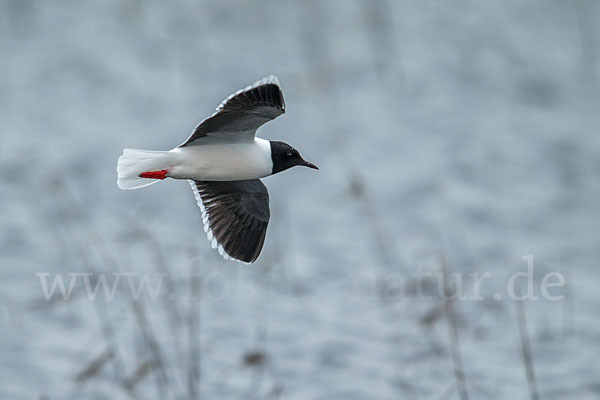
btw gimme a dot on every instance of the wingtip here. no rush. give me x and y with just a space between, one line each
273 79
266 80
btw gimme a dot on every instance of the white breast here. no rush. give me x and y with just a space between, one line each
221 161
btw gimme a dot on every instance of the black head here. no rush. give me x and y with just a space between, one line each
285 156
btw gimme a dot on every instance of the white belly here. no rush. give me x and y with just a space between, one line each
222 161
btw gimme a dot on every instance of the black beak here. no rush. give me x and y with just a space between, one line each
309 165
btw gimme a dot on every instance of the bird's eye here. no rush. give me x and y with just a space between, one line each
289 154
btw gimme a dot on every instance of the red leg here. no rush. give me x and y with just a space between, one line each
162 174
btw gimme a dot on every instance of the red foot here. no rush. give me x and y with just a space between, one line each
162 174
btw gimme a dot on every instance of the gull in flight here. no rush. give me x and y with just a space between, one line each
223 161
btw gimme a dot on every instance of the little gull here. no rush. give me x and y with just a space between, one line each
224 161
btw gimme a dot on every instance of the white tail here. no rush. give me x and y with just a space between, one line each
133 162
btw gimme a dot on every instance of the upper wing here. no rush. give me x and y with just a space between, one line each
235 216
239 116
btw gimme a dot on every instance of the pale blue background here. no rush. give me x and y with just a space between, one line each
473 127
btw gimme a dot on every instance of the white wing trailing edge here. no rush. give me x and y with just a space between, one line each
235 215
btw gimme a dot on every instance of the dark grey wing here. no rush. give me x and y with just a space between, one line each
241 114
235 216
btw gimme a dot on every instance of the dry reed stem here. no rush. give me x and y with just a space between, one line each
457 361
526 348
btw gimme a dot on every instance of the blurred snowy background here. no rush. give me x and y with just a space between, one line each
464 130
